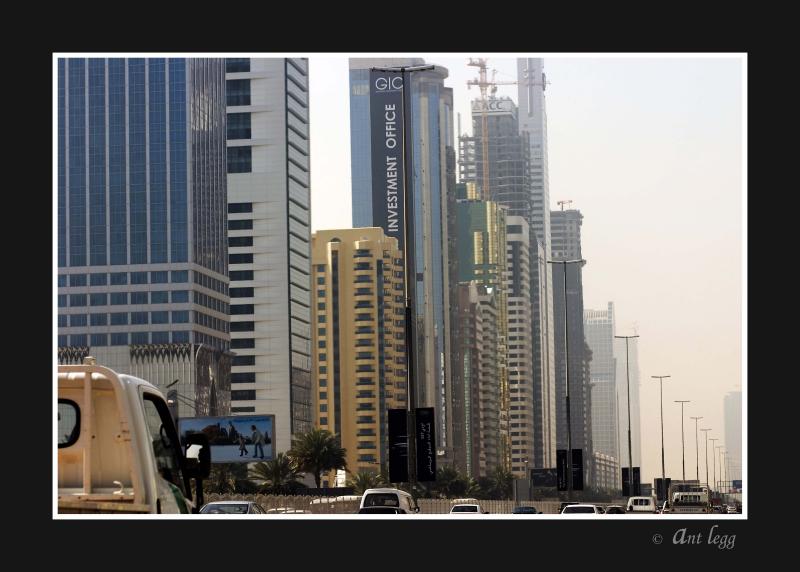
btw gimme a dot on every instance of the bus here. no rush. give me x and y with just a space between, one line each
691 502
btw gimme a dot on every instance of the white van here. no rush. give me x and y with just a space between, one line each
388 497
642 504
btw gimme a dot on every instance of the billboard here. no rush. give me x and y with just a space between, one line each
426 450
236 438
493 106
662 488
544 477
386 125
398 446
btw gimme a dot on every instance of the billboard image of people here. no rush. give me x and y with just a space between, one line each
234 439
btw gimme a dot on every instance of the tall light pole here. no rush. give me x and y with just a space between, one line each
705 432
717 455
683 450
408 230
714 459
566 367
661 379
630 447
696 448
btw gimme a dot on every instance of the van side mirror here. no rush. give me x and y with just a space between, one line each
198 455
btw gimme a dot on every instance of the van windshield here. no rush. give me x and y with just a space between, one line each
381 499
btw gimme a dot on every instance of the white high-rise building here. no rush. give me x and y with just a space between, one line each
733 432
532 118
269 215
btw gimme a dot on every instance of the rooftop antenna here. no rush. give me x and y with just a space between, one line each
562 203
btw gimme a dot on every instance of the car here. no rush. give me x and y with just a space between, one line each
381 510
716 509
642 504
285 510
577 508
232 507
614 509
564 504
467 509
525 510
731 510
389 497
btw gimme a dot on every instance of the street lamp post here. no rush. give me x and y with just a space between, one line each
696 448
566 367
408 230
683 444
630 446
705 432
661 379
714 460
717 460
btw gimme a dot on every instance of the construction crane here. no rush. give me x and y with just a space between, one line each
562 203
483 83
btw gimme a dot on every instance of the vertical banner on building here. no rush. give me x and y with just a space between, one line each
662 488
426 444
398 446
386 121
561 461
577 469
626 491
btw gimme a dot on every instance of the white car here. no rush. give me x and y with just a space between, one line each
467 509
583 509
731 510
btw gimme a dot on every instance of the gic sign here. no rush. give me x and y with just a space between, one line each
386 121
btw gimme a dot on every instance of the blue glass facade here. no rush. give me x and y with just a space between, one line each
141 184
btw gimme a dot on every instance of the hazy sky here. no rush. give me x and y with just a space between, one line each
650 150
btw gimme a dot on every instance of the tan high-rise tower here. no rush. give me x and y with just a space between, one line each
358 333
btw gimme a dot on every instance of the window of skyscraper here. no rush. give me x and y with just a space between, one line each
242 326
234 65
239 126
139 297
161 277
180 296
243 343
244 224
77 280
161 297
240 207
241 292
119 278
77 300
160 337
240 241
180 276
98 279
139 337
243 360
241 274
138 277
237 92
240 259
239 309
240 159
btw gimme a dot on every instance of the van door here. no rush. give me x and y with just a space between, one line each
171 486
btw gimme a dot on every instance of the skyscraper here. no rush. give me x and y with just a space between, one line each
481 236
733 432
599 330
269 240
142 265
532 119
525 404
567 246
510 184
431 142
359 339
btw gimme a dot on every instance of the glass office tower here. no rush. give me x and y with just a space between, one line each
432 141
142 239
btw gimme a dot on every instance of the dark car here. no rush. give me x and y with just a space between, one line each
615 509
232 507
381 510
524 510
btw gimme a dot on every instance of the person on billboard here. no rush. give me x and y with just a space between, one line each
242 446
258 442
233 433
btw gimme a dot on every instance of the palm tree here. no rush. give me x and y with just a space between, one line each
364 480
318 451
278 476
503 482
